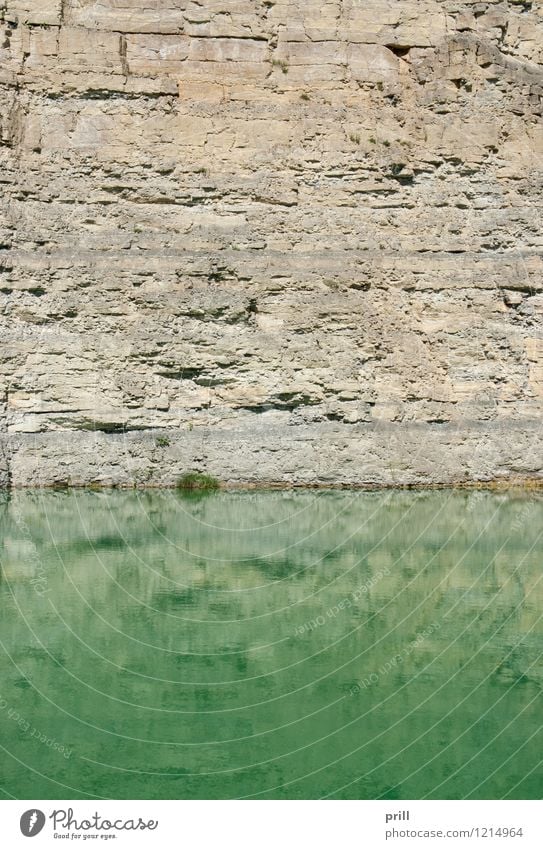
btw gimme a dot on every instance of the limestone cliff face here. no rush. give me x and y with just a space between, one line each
274 241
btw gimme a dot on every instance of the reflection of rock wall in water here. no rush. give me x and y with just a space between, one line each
175 604
299 242
299 554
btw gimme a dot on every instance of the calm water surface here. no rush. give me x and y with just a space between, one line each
271 645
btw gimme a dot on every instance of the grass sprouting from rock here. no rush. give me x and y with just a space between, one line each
196 482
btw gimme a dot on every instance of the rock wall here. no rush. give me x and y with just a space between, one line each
274 241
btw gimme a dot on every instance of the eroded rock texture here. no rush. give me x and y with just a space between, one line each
273 241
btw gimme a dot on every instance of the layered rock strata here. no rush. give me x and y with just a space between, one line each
292 242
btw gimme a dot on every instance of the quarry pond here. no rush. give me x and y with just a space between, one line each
297 644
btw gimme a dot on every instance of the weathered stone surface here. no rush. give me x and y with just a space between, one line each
275 241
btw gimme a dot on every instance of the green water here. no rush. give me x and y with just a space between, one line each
271 645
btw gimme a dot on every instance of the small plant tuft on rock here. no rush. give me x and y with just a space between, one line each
196 482
280 63
355 138
162 441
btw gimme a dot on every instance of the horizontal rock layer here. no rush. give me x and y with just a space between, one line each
274 241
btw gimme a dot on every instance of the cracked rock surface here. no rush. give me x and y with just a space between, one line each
288 242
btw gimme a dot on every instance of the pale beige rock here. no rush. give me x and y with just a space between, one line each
301 240
44 12
373 63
